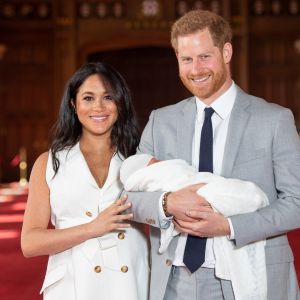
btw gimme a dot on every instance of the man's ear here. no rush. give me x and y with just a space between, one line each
227 53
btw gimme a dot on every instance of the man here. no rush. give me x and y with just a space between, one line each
224 130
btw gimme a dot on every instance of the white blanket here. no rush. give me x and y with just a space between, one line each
246 266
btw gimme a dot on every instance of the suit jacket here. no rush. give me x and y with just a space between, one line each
262 146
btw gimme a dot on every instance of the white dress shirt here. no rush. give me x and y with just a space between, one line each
220 120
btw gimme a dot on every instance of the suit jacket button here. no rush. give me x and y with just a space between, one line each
168 262
88 213
97 269
150 221
124 269
121 236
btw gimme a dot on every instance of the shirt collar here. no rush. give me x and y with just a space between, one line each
222 105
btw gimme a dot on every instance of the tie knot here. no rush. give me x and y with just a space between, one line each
208 112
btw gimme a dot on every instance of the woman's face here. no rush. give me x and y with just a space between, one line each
95 107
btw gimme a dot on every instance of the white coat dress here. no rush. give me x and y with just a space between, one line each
112 267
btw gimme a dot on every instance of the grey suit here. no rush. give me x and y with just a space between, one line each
263 147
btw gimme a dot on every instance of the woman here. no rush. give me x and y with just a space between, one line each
95 252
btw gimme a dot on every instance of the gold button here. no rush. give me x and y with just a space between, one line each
89 214
121 235
168 262
124 269
97 269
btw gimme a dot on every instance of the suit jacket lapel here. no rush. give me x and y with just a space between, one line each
237 124
185 130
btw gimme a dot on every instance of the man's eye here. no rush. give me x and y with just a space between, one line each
204 56
186 60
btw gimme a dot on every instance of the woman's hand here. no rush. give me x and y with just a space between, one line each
110 219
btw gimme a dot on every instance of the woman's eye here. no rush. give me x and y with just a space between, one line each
88 98
108 97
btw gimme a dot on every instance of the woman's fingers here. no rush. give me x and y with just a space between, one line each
118 206
114 215
121 200
121 218
121 226
116 210
119 221
123 207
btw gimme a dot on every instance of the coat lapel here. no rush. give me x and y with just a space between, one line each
185 130
114 170
237 124
82 167
82 170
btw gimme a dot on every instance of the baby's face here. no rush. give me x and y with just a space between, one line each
153 161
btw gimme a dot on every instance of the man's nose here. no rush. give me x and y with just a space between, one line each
197 66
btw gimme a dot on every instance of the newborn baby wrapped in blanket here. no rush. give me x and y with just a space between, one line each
245 266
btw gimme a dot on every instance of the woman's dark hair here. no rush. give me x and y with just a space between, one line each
67 131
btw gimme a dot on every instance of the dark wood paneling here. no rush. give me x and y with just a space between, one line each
44 50
275 68
26 103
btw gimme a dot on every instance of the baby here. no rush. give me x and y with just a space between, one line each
245 266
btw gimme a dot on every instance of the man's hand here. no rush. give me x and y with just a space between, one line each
184 200
206 223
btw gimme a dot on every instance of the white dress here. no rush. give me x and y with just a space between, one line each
112 267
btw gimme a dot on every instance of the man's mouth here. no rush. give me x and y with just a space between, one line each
201 79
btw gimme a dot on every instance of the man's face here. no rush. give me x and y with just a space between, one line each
203 67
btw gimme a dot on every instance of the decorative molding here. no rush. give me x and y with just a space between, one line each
151 8
183 6
148 24
275 8
101 9
23 10
146 12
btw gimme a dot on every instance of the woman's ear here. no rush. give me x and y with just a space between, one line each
73 105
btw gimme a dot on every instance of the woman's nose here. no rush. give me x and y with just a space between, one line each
98 103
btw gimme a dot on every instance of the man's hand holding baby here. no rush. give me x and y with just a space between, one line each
183 200
194 215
